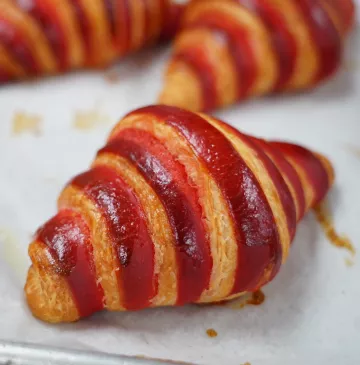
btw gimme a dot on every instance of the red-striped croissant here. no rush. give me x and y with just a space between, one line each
177 208
40 37
229 50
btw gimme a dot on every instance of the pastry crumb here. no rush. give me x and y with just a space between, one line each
87 120
247 363
257 298
26 123
354 150
351 65
211 332
112 77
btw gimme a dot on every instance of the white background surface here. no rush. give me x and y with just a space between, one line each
311 313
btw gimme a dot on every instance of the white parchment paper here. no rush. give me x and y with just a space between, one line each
311 313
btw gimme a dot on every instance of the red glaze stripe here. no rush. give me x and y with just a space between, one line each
46 16
284 44
109 6
17 46
126 224
197 59
169 180
256 232
84 24
4 75
346 10
286 169
124 24
146 24
286 199
325 35
238 39
312 166
68 239
172 16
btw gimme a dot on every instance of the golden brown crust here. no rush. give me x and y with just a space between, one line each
47 293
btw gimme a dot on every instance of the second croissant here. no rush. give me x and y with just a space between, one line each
230 50
42 37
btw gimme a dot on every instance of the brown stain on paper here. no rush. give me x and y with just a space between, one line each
351 65
354 150
88 120
326 222
112 76
12 254
26 123
211 333
255 298
349 262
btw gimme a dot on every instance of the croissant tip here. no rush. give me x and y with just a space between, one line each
48 297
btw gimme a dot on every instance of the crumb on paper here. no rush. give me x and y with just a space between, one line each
87 120
351 65
112 76
11 252
211 332
26 123
247 363
354 150
349 262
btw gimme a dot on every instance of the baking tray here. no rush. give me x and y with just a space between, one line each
310 314
15 353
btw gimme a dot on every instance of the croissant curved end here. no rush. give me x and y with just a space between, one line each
47 292
177 208
231 50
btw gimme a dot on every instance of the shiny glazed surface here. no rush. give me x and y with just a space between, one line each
196 169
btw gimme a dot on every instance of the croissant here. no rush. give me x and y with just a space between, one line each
177 208
230 50
39 37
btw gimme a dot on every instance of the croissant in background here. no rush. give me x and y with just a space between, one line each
177 208
230 50
39 37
